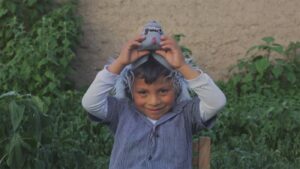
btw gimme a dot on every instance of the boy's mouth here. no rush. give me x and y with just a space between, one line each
155 109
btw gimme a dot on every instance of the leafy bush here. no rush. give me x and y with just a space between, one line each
257 131
25 12
48 127
38 49
259 126
263 73
38 134
22 125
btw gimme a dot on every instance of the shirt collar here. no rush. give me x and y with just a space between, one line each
177 109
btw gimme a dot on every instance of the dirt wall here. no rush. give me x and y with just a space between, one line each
219 32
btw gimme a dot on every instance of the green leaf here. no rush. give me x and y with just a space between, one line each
277 71
178 37
44 61
3 12
251 49
31 2
8 94
15 155
186 50
39 103
236 79
16 114
262 65
291 77
12 7
268 40
50 75
248 78
277 48
2 159
38 79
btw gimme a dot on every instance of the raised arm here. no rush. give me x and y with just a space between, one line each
212 99
94 100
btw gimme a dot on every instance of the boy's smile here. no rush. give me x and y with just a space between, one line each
154 100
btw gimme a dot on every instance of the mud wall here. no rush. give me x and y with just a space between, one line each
219 32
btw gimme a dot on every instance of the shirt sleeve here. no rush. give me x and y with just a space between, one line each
212 99
95 99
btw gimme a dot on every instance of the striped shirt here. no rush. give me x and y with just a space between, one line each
140 144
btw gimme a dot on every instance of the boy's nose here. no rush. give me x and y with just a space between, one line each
154 100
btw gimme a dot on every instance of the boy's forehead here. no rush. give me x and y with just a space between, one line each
145 58
162 80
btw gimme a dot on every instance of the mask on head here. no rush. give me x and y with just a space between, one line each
152 31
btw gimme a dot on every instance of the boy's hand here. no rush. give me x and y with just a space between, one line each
171 52
129 53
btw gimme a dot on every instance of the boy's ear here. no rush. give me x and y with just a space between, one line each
177 88
128 93
177 91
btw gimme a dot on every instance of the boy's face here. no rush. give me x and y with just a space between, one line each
154 100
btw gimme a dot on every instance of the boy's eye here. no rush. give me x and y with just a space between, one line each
163 91
142 92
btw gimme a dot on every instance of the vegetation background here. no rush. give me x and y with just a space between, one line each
43 126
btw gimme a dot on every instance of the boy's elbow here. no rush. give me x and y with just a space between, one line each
222 101
98 110
85 103
86 106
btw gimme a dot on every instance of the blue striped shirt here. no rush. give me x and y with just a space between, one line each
140 144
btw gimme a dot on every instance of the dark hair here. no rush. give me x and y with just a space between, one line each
151 70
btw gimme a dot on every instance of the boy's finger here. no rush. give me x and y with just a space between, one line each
138 54
143 52
168 47
167 38
139 38
135 44
164 37
162 53
168 41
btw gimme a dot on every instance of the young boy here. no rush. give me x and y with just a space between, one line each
152 116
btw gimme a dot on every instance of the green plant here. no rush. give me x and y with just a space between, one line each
25 12
262 72
259 125
46 132
258 131
22 125
38 54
